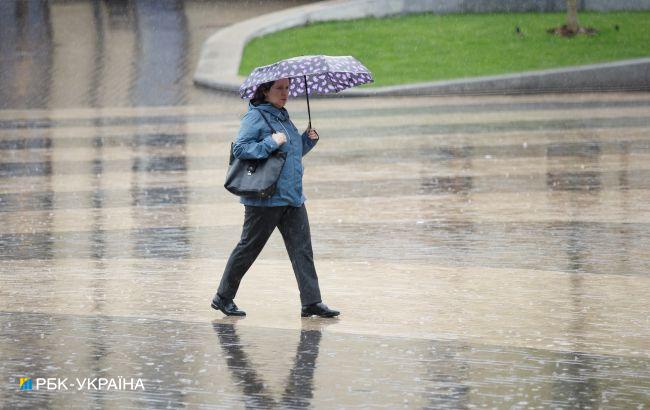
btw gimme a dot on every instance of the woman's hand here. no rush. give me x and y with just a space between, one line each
279 137
312 134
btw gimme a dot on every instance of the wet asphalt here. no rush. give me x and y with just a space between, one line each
484 251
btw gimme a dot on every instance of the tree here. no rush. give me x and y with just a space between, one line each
571 27
572 16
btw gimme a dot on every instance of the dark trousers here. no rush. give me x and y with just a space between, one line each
259 224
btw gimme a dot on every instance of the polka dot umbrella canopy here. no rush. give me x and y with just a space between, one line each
320 74
323 74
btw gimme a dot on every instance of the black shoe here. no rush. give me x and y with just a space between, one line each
227 306
318 309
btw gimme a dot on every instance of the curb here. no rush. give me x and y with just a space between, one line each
221 55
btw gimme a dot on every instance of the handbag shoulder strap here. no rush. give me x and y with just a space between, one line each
266 120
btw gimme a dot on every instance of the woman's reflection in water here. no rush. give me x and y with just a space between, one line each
299 388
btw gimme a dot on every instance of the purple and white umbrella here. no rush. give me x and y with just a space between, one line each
319 74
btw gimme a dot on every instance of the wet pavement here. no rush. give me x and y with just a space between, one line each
485 252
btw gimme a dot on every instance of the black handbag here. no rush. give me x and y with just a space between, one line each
254 178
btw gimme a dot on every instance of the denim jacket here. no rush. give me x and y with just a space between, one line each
254 141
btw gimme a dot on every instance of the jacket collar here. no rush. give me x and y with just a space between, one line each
280 113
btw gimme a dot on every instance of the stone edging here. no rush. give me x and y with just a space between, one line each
221 55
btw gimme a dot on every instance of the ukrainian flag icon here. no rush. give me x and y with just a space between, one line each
25 383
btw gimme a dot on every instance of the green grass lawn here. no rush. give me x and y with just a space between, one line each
429 47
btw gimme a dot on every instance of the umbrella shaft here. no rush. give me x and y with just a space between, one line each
307 95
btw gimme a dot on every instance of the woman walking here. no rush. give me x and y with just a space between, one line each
285 209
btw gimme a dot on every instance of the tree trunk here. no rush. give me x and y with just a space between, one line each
572 15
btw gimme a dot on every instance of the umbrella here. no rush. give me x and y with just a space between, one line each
320 74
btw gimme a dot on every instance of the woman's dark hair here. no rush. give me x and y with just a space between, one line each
259 97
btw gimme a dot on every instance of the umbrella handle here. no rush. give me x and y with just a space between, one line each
307 95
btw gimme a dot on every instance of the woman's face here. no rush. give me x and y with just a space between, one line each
279 93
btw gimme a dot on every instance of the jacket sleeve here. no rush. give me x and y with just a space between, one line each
247 145
307 143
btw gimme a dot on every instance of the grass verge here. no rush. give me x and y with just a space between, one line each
429 47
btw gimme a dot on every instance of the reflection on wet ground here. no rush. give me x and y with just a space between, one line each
110 53
185 362
486 251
